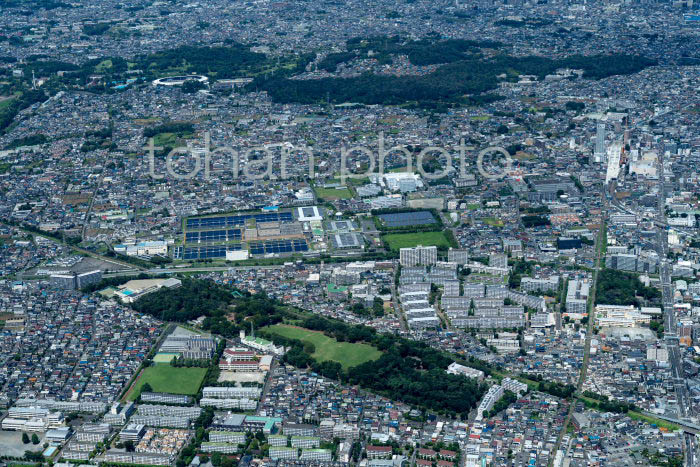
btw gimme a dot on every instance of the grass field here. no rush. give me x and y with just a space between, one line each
165 139
103 66
162 357
5 102
165 378
350 181
523 156
493 222
327 348
653 420
407 240
331 194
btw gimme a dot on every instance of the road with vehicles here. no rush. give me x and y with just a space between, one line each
685 408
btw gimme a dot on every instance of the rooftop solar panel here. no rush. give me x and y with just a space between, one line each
237 220
403 219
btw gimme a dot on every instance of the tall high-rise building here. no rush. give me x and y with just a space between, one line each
599 152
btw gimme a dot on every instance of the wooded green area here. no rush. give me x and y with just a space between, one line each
9 109
194 298
406 370
409 371
223 62
622 288
427 51
32 140
177 128
463 80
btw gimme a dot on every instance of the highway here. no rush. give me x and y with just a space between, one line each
171 270
129 267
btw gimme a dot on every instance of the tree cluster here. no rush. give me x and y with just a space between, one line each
534 221
96 29
622 288
232 61
178 128
194 298
606 405
32 140
27 99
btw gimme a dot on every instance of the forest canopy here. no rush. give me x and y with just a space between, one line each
622 288
465 79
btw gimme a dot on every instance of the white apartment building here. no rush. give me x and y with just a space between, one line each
494 393
420 255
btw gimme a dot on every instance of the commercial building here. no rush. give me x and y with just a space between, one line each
228 403
118 413
260 344
132 432
163 421
189 345
134 289
513 385
277 440
74 455
76 281
143 248
299 429
137 458
231 392
93 407
577 297
235 359
622 262
458 256
620 316
93 433
568 243
379 452
169 411
498 260
529 284
305 442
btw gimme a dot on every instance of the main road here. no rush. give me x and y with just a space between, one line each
685 408
670 328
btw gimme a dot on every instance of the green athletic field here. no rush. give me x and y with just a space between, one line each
395 241
165 378
327 348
